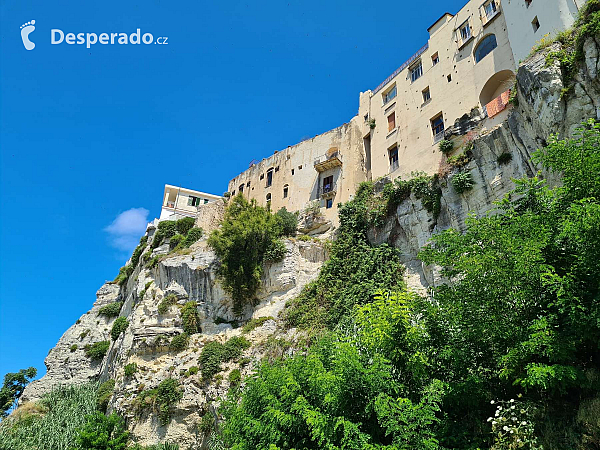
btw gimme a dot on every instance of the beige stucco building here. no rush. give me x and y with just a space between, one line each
458 83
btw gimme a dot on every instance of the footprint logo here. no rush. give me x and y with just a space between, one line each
26 30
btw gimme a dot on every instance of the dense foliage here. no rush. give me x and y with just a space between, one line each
214 353
504 356
160 399
190 321
248 237
97 350
119 326
103 433
111 310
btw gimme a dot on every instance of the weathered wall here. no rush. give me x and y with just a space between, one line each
209 216
540 112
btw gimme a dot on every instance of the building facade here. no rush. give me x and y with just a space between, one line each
180 202
458 82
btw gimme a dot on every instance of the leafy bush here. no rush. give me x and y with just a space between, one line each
105 392
214 353
73 348
235 377
175 241
97 350
161 399
62 412
207 424
166 303
130 369
192 371
255 323
193 235
446 146
135 257
124 274
462 182
276 252
184 225
460 160
179 342
288 222
102 432
111 310
119 326
504 158
166 229
247 232
189 318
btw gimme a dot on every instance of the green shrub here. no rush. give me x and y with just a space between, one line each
189 318
130 369
460 160
146 257
179 342
193 235
446 146
141 295
124 274
105 392
462 182
166 229
207 423
135 257
103 433
214 353
119 326
247 232
97 350
504 158
154 262
288 222
304 238
161 399
372 124
184 225
192 371
111 310
166 303
73 348
175 241
83 334
235 377
255 323
276 252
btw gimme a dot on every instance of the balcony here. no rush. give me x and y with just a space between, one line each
326 162
327 191
170 205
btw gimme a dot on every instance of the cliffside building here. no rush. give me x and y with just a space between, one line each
458 82
180 202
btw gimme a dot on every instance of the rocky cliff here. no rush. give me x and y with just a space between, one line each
542 108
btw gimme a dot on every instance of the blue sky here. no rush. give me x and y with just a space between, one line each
88 134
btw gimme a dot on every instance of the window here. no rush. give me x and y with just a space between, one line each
300 167
437 126
242 187
391 121
416 71
327 184
193 201
435 59
269 177
393 155
449 77
292 171
329 203
490 9
485 47
535 24
268 198
205 201
426 95
390 94
465 32
285 191
248 184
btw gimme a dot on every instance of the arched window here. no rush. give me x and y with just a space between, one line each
485 46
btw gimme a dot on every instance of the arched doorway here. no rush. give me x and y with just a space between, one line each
496 88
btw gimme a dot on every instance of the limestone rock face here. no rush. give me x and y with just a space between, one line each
191 277
543 109
312 223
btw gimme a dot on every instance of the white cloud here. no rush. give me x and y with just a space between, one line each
127 228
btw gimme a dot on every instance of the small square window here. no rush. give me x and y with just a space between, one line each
435 59
329 203
426 95
389 95
490 9
465 32
416 71
535 24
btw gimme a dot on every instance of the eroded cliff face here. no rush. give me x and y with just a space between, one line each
190 277
542 109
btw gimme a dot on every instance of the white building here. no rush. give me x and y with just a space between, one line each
528 21
180 202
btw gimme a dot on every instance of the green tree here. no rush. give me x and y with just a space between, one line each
103 433
14 385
